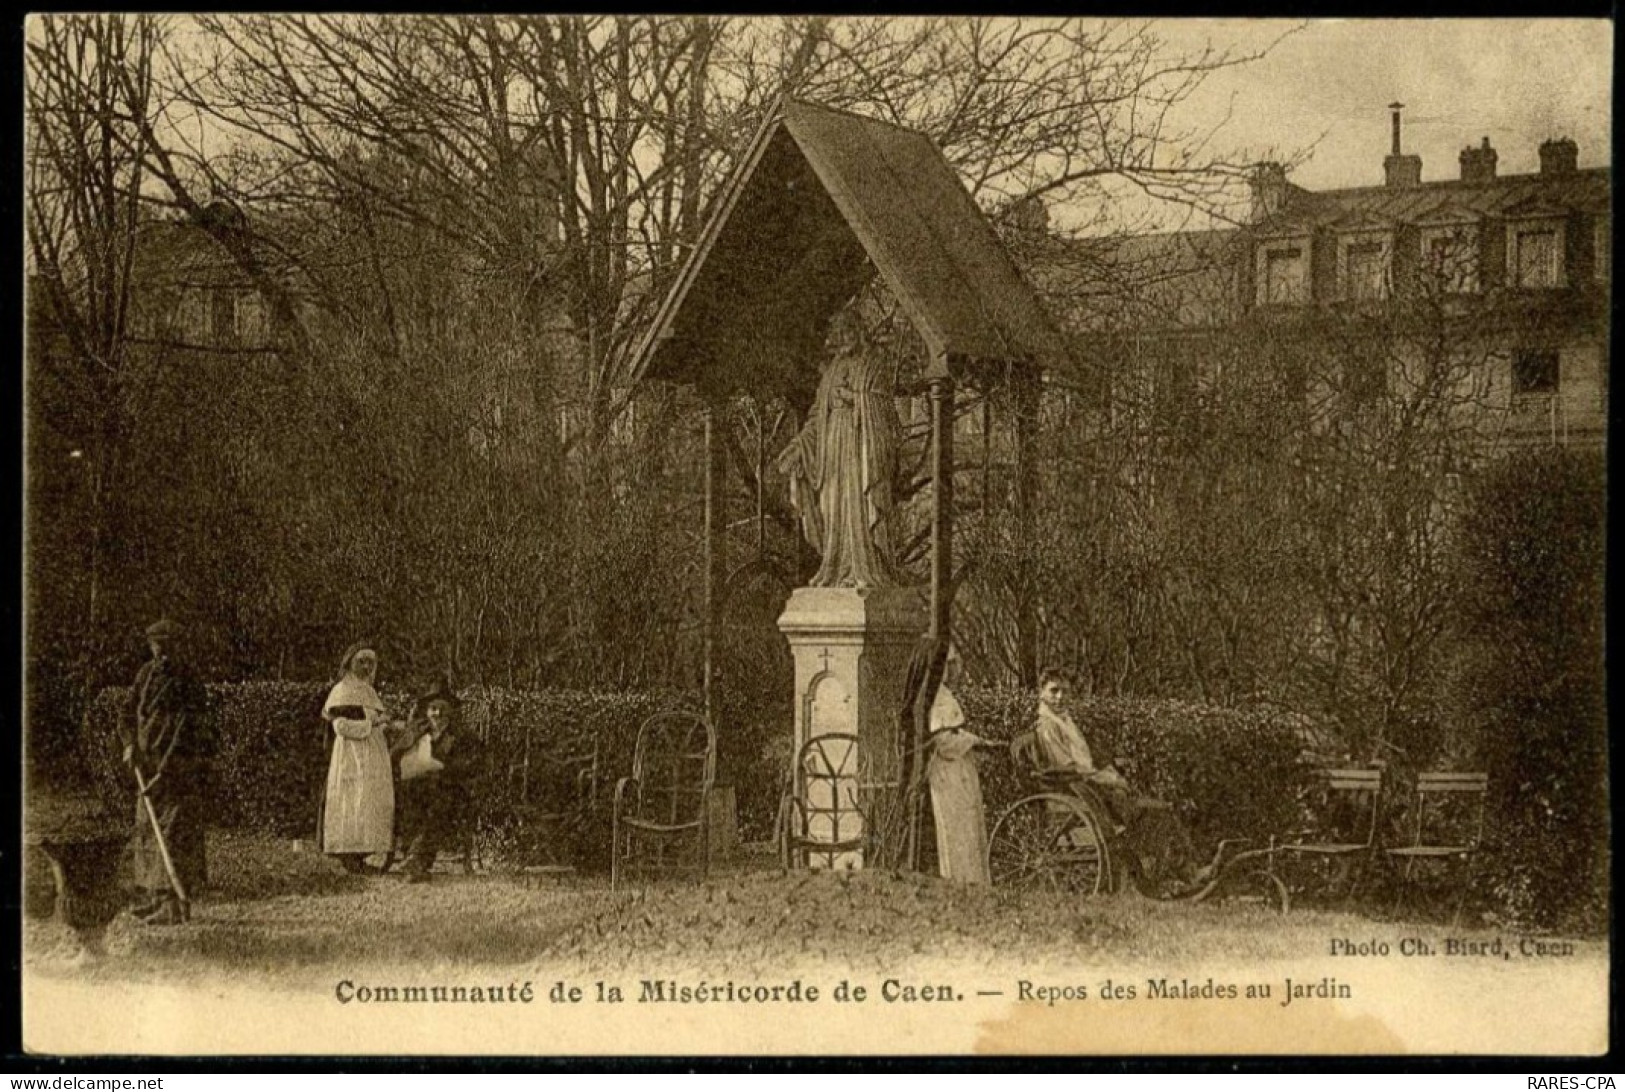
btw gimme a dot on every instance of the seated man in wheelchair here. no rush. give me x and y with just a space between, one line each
440 769
1161 856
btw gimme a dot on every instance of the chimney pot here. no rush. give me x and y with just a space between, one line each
1561 156
1401 170
1478 164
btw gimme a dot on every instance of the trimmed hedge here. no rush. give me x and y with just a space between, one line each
271 763
1230 773
274 748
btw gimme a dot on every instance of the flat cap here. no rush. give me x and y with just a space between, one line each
164 627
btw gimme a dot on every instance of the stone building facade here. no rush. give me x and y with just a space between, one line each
1518 267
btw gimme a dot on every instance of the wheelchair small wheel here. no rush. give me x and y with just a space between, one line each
1273 890
1050 842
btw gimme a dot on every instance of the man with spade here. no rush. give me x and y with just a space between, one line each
169 746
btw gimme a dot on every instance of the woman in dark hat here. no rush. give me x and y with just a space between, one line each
440 768
358 814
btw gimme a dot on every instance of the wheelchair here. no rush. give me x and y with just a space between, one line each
1062 837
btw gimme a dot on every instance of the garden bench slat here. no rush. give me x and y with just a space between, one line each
1354 779
1453 782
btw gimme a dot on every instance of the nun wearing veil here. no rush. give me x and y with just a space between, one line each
956 787
358 813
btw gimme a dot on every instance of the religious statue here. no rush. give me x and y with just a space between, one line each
840 468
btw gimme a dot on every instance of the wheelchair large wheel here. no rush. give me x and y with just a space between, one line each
1050 842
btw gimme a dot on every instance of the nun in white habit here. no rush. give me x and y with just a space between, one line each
956 789
358 817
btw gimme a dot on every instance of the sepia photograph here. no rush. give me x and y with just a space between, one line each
655 535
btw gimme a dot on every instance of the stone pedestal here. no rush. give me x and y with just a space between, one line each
852 649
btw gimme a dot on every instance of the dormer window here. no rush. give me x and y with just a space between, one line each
1364 257
248 319
1450 258
1283 272
1365 270
1535 248
192 314
1534 261
222 319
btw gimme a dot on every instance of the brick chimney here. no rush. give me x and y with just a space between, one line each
1560 156
1401 170
1269 187
1478 164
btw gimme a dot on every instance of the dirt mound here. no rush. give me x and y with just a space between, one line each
761 919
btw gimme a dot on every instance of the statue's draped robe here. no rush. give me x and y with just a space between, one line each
840 468
174 745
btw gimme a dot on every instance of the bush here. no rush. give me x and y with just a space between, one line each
559 723
1534 556
1229 772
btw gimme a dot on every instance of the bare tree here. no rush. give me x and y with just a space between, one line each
459 227
89 95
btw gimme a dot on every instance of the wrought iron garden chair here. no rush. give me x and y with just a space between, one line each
554 797
1331 853
660 821
823 820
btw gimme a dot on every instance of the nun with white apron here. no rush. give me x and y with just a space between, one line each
956 788
358 815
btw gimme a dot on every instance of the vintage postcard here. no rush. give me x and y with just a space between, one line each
653 535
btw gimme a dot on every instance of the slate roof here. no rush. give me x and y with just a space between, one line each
1586 191
1189 280
1142 282
821 202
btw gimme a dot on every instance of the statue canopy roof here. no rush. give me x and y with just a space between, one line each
821 201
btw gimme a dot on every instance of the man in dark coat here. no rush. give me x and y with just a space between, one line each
440 768
169 740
